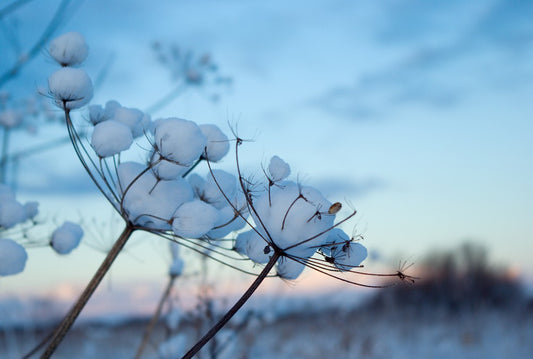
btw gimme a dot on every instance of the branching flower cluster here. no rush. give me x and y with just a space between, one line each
188 71
18 225
290 226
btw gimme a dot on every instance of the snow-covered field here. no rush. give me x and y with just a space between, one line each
386 333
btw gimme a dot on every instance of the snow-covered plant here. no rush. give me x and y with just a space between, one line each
25 115
188 70
20 118
18 228
291 226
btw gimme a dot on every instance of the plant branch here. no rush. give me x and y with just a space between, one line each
166 100
225 319
71 316
39 44
155 317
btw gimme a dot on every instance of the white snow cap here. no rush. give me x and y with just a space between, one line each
179 140
110 138
149 202
213 193
10 118
13 257
227 222
166 170
217 142
32 209
290 216
278 169
66 237
256 248
194 219
296 219
70 86
345 253
69 49
131 117
288 268
11 213
97 114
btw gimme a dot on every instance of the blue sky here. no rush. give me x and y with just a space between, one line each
418 113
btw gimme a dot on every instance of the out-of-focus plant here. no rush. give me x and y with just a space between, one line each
24 116
291 226
455 280
189 71
19 226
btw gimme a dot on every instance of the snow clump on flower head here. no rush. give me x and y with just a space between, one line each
147 201
194 219
70 88
295 221
110 138
66 237
342 251
179 140
69 49
178 144
278 169
13 212
13 257
217 142
10 118
115 127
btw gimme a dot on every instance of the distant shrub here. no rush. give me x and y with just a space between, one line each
455 280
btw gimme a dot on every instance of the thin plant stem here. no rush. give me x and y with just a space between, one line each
71 316
38 149
4 156
155 317
243 299
166 100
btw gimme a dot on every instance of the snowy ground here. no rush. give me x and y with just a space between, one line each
389 333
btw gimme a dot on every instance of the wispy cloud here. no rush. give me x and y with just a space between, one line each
442 62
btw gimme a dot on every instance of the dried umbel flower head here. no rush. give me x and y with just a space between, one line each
70 88
69 49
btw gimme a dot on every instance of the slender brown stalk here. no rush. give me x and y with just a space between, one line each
71 316
155 317
225 319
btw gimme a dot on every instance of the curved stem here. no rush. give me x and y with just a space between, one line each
225 319
71 316
155 317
